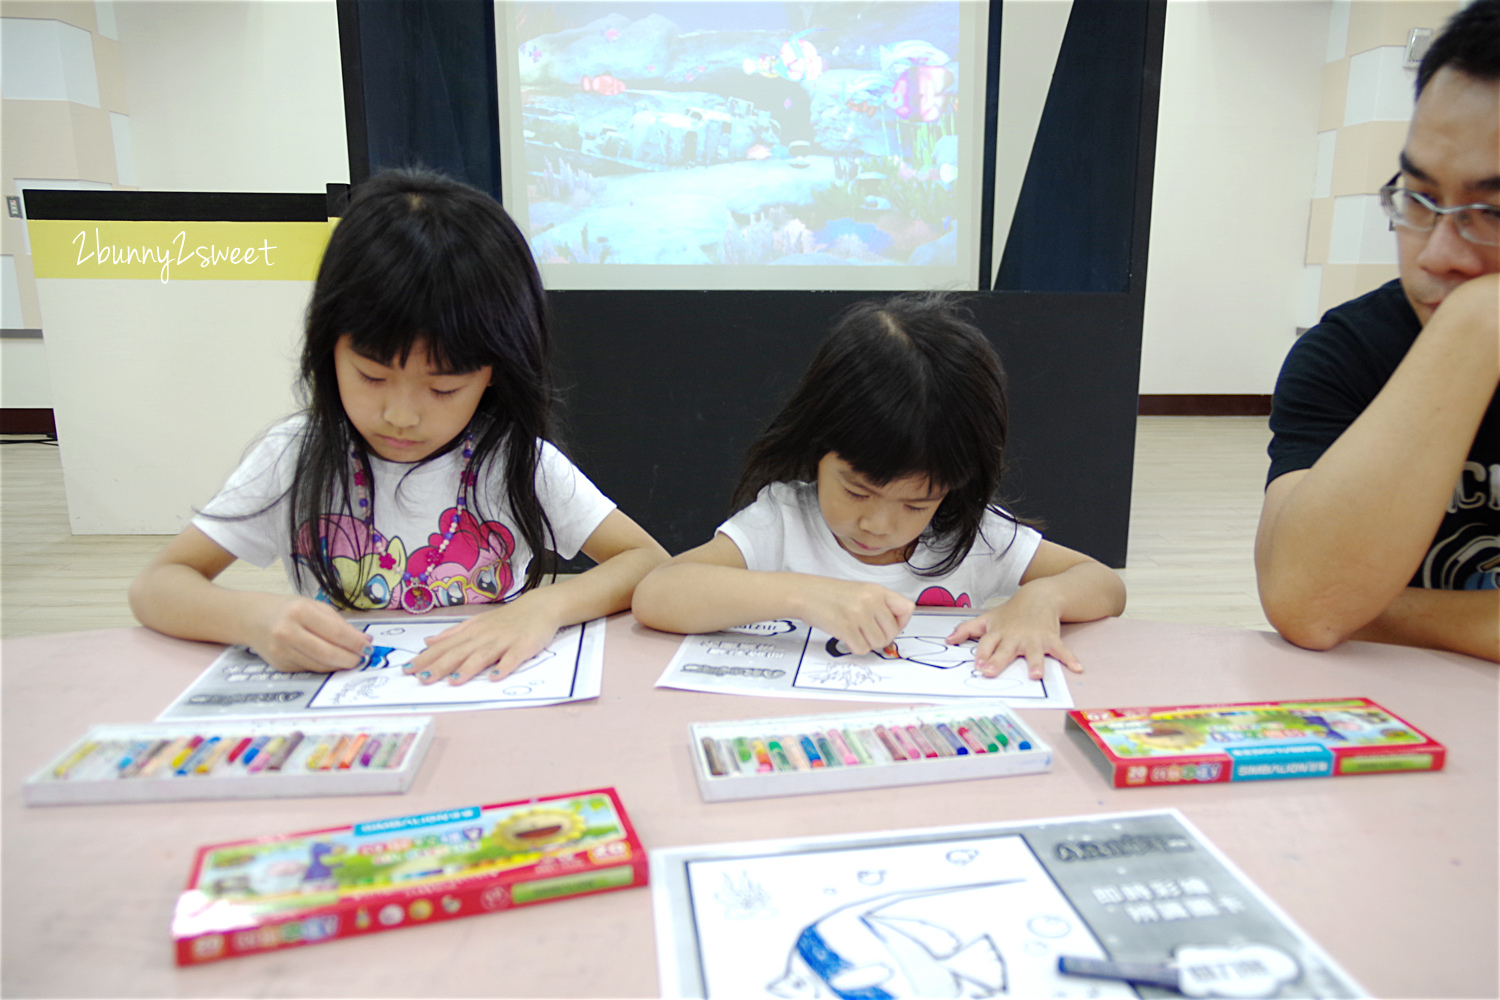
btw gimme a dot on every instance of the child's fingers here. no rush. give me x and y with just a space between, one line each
994 653
1064 655
971 629
509 663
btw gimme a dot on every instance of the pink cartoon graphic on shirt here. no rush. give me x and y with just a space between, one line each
375 572
368 567
474 567
939 597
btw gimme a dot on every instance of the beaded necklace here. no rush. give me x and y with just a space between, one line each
416 595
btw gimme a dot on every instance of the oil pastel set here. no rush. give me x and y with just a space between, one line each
801 755
1086 906
272 893
1250 741
228 759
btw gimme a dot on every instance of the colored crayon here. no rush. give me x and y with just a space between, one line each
1020 741
387 752
332 756
993 731
937 742
920 742
742 751
903 739
258 745
211 759
273 746
200 753
144 758
239 748
132 754
855 739
884 735
826 750
284 752
164 757
315 758
794 753
354 747
778 755
371 749
814 759
967 735
83 753
959 748
978 735
762 756
729 757
841 747
401 750
187 751
711 754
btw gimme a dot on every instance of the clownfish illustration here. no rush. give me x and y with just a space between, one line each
893 946
604 84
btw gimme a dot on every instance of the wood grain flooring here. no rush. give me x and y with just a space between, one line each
1194 508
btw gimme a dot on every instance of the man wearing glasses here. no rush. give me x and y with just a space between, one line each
1381 518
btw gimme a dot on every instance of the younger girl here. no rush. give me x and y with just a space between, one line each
873 492
420 473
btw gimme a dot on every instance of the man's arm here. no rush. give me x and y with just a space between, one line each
1338 542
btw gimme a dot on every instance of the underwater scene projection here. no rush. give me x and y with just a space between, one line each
747 139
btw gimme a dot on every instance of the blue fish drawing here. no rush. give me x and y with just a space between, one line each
894 946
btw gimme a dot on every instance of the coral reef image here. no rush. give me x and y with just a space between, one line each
740 133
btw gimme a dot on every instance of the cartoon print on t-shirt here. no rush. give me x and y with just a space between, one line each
939 597
475 567
1468 559
376 571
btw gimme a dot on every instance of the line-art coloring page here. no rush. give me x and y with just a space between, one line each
788 659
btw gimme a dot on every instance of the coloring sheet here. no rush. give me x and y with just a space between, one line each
239 684
974 912
789 659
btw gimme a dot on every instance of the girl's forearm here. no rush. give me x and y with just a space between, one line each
689 597
1081 593
179 601
601 590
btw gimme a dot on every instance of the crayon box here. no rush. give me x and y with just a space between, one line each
277 892
1250 741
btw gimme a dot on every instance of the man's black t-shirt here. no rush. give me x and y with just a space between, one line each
1332 373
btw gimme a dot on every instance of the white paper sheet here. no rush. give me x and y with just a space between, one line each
788 659
240 685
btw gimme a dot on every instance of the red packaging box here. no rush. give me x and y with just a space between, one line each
1250 741
260 895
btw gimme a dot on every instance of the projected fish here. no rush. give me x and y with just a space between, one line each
896 945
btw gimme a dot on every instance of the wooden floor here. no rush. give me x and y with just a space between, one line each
1192 527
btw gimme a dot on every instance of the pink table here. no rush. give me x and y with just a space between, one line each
1395 875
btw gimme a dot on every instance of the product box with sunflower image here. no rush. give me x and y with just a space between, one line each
284 891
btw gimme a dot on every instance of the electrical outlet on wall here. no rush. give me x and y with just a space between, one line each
13 205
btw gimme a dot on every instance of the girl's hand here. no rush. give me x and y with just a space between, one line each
493 643
1016 628
298 633
864 616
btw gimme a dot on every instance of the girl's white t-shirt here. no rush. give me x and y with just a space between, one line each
485 560
783 531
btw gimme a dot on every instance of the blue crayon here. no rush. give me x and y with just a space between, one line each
254 750
1017 740
958 745
814 759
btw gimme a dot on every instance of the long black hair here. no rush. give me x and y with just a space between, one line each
905 387
419 258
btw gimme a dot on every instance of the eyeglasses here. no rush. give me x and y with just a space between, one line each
1477 223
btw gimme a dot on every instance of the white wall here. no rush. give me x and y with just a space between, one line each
234 95
1236 159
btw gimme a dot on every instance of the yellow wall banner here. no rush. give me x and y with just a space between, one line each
164 251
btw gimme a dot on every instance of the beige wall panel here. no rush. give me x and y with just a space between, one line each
111 75
93 144
1319 230
1335 92
1373 23
1342 282
36 140
79 13
31 313
1366 156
